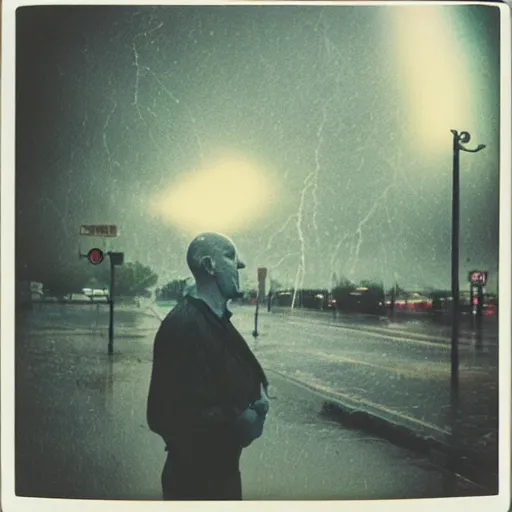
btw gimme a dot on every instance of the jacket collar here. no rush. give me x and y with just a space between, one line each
203 306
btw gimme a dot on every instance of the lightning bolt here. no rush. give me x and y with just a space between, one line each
59 214
141 71
140 68
359 230
357 235
146 70
279 231
105 142
349 236
137 82
286 256
301 268
311 182
317 171
177 101
334 268
136 103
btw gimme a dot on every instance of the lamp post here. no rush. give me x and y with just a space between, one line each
458 140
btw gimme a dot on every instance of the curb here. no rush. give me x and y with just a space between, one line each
470 465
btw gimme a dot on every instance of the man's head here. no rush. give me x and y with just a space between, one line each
213 260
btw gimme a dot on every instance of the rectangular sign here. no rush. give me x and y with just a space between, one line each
262 274
477 277
105 230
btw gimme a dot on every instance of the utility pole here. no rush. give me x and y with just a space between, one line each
458 140
116 258
111 305
455 265
255 332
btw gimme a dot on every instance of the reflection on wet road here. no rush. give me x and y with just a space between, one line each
81 429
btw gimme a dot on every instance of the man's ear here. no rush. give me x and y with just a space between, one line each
208 265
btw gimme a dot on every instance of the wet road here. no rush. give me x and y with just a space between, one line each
405 380
81 429
402 379
408 376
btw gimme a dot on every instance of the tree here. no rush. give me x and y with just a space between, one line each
372 300
173 290
275 285
134 279
60 281
341 293
397 291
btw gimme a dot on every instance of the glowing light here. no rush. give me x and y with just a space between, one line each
228 195
435 77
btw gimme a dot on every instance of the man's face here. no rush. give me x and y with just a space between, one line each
227 265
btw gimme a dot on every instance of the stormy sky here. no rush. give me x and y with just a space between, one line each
317 137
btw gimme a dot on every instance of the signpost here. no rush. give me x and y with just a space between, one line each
96 256
262 275
477 281
116 258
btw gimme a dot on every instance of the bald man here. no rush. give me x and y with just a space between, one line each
208 393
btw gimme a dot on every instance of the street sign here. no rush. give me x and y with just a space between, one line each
477 277
117 258
262 274
103 230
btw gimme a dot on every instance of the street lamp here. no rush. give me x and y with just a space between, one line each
458 140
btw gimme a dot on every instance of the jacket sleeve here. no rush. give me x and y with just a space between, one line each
183 404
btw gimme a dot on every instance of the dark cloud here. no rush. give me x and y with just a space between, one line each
114 102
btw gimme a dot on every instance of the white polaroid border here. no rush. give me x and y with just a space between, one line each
10 502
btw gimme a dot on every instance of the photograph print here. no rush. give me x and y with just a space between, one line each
257 251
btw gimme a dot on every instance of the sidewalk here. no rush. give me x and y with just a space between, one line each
82 433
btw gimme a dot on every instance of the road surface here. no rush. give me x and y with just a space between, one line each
81 429
401 378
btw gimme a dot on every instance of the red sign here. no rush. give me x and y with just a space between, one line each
477 277
95 256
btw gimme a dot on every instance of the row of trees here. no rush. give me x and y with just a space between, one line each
363 297
131 279
173 290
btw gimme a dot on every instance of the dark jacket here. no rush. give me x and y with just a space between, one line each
204 375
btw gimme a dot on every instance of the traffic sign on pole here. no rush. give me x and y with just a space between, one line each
477 277
102 230
262 274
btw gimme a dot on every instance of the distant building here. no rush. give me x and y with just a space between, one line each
27 292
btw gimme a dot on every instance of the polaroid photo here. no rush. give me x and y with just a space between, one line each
255 255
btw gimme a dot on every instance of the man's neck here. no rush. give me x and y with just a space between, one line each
213 299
